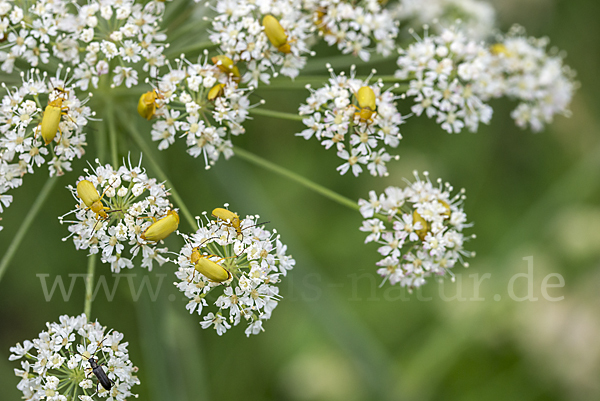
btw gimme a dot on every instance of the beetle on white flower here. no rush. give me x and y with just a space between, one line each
55 366
243 268
118 208
360 119
419 228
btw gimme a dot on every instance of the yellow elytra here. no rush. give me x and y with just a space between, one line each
226 65
51 118
147 104
422 232
162 228
230 218
90 197
216 91
211 270
276 34
448 210
499 48
366 102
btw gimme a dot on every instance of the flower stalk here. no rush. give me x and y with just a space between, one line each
26 224
313 186
139 140
89 285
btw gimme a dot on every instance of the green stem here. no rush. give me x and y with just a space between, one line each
296 83
101 142
341 62
112 134
136 91
259 161
26 223
276 114
89 284
192 48
319 80
389 79
137 137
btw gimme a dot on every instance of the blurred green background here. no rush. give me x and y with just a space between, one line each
336 335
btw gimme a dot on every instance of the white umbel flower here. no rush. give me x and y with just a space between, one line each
355 27
451 78
448 76
475 17
361 134
215 108
85 36
536 78
55 366
239 266
27 112
131 202
419 228
239 32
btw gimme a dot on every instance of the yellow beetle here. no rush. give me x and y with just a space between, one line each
229 218
499 48
162 228
51 118
422 232
211 270
276 34
216 91
366 102
90 197
448 210
147 104
226 65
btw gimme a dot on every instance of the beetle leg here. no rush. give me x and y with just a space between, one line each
193 276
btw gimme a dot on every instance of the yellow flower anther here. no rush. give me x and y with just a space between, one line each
422 232
226 65
147 104
276 34
51 118
162 228
229 218
216 91
366 102
90 197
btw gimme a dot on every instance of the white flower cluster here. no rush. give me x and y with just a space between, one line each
21 143
87 36
357 27
250 261
539 81
239 33
209 123
55 366
449 79
476 18
360 135
132 202
419 229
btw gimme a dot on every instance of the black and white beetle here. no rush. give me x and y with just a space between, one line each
97 370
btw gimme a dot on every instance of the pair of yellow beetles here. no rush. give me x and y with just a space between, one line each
163 227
